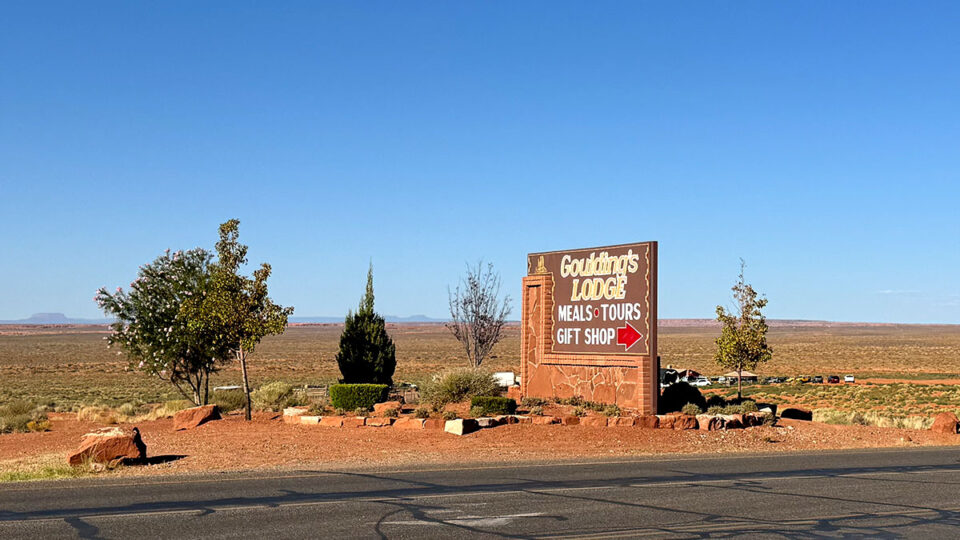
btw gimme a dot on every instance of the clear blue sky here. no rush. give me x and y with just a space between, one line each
820 141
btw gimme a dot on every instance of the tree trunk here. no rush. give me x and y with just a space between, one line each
739 385
242 356
206 386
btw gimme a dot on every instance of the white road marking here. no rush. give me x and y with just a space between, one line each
468 521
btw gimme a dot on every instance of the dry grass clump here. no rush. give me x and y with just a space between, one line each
128 413
21 416
48 467
276 396
871 418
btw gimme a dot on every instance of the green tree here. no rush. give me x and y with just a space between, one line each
742 344
237 309
153 329
367 354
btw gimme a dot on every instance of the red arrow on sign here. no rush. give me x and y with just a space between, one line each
628 336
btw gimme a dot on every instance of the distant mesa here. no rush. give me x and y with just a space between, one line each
56 318
388 318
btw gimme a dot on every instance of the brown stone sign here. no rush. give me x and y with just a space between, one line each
590 325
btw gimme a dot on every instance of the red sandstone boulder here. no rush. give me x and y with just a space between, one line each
109 444
353 421
409 423
570 420
595 421
709 423
379 422
331 421
434 423
665 421
797 413
191 418
380 409
945 422
546 420
755 418
685 421
620 421
732 421
648 421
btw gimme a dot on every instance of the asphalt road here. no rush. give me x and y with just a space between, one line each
885 493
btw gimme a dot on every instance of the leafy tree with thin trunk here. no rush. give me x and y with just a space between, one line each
367 354
153 329
477 312
237 308
742 344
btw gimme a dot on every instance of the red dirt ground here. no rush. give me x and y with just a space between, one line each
268 443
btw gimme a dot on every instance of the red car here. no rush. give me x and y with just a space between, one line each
833 379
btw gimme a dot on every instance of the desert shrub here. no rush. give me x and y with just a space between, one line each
714 410
749 407
272 396
421 412
575 401
459 385
579 411
477 412
449 415
536 410
594 405
361 411
611 410
490 405
675 396
690 408
357 396
391 413
533 402
13 423
18 415
229 400
39 425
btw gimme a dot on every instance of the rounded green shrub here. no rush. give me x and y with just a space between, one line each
351 397
675 396
690 408
492 405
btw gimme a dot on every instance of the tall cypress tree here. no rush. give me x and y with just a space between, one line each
367 354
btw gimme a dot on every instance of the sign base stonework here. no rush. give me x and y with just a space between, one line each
589 326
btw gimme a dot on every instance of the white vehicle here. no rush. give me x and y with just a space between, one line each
721 379
848 378
700 381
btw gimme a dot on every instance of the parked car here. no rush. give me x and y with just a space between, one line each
721 379
803 378
848 378
833 379
700 381
818 379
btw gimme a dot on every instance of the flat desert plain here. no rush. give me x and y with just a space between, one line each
910 369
